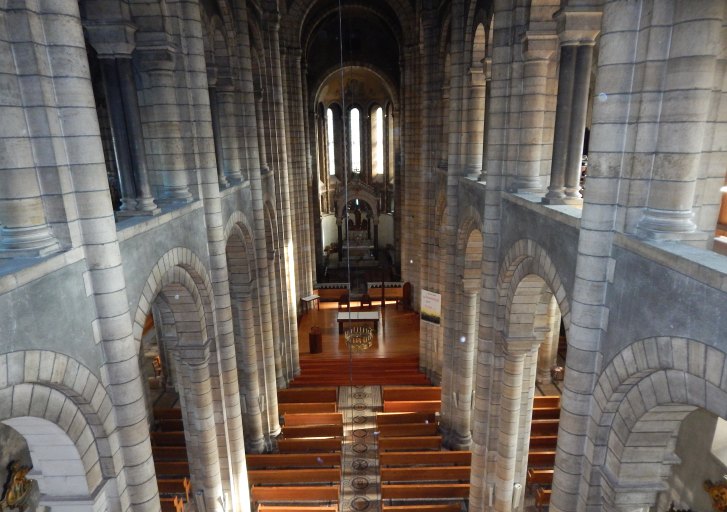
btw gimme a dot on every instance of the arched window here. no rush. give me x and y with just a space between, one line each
377 142
331 143
355 129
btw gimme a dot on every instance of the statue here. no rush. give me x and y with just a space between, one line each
17 490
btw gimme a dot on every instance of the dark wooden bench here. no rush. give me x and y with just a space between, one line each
169 425
167 439
306 407
410 393
308 395
172 504
168 413
294 494
166 453
304 431
297 508
425 458
324 444
546 413
543 441
540 476
542 497
425 406
172 468
408 429
544 427
401 444
541 459
294 476
293 460
422 491
426 474
321 418
178 486
395 418
546 401
435 507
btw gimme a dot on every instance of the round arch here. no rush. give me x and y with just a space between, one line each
642 396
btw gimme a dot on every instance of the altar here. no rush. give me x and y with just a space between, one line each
357 317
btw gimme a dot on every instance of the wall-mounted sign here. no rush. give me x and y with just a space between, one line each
431 307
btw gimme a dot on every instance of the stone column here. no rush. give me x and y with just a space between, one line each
487 63
577 31
548 350
217 135
163 122
474 136
247 363
686 109
460 434
24 230
537 52
227 102
256 165
509 427
201 415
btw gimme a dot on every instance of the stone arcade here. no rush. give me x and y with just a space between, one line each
184 164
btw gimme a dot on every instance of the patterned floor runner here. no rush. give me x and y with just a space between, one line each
361 486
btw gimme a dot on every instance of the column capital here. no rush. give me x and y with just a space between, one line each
538 45
154 58
112 41
521 345
577 27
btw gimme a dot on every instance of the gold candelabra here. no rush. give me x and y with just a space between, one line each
359 338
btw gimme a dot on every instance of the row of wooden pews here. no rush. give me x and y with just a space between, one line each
169 449
416 474
305 473
541 452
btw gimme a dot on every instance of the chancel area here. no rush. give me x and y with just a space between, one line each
363 255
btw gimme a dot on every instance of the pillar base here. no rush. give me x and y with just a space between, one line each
456 441
256 446
27 242
570 201
666 225
177 194
139 213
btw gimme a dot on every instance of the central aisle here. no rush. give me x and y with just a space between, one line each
361 487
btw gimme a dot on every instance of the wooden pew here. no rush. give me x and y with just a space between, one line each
294 494
546 401
542 497
408 429
166 453
544 427
541 459
425 458
178 486
172 504
400 444
294 476
324 444
297 508
169 468
540 476
293 460
410 393
169 425
546 413
394 418
308 395
426 474
432 507
425 406
548 442
306 407
424 491
321 418
167 439
168 413
304 431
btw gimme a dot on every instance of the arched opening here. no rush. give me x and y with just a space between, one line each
61 482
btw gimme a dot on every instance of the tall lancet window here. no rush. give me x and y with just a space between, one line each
355 126
377 142
331 143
